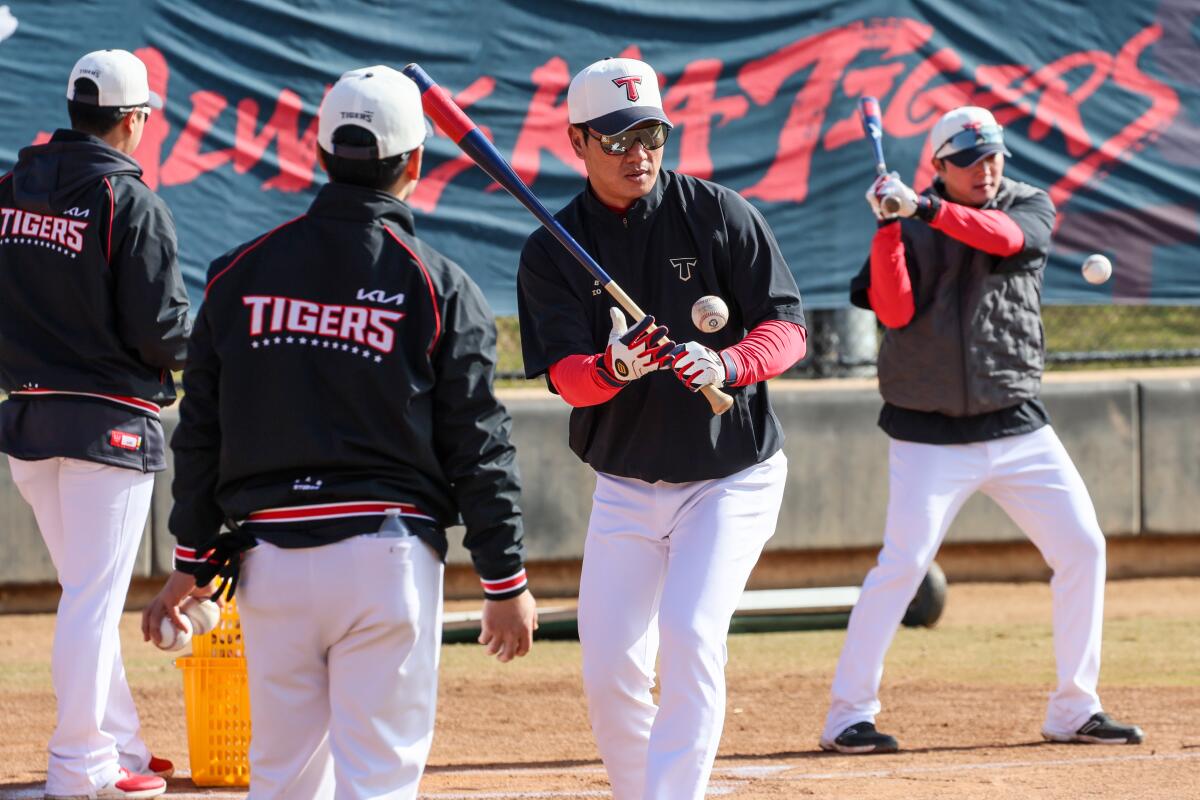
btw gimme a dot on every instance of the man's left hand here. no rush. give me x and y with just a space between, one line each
697 366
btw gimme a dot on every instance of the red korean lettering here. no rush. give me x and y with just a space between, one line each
692 105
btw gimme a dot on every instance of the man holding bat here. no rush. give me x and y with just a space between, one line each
955 276
684 499
339 415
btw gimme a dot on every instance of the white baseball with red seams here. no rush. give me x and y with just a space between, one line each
1096 268
710 313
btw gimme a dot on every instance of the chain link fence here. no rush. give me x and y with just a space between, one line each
843 342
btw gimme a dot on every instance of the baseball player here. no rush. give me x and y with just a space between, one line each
684 500
955 277
93 319
338 415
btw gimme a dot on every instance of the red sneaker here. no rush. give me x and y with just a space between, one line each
128 786
161 767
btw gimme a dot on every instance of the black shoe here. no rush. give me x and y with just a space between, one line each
862 738
1100 729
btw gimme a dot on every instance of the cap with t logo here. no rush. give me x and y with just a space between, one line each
615 94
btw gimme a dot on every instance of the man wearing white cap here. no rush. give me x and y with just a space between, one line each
684 500
338 416
955 276
93 318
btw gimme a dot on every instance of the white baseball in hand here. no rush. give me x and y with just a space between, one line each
203 614
171 638
1096 268
709 313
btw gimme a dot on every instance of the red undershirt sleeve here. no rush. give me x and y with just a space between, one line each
577 379
766 351
890 292
989 230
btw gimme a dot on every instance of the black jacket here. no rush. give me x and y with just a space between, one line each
93 310
340 367
685 239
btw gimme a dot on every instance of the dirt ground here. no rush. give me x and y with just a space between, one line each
965 699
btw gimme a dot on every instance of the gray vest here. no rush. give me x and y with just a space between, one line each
975 342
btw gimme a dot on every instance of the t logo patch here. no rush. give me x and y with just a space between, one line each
684 267
630 82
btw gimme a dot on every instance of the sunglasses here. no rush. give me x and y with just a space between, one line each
618 144
971 137
144 109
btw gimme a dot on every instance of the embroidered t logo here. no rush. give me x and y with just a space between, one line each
630 83
684 267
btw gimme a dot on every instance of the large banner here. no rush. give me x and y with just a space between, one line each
1100 101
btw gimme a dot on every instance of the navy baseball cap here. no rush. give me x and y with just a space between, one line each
967 134
613 95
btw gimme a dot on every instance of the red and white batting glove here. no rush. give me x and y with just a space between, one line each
698 366
633 352
890 185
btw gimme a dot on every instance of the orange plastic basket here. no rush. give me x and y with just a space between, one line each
216 696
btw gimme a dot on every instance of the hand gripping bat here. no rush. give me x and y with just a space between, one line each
868 108
466 134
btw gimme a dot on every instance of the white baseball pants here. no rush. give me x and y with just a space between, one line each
664 566
91 517
1033 479
342 645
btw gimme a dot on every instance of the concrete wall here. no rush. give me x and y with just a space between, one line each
1171 455
1133 436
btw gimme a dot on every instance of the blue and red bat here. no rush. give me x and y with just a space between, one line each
868 108
466 134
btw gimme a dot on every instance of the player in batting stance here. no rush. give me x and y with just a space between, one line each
684 500
955 277
93 317
339 414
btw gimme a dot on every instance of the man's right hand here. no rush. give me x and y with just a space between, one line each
633 352
508 626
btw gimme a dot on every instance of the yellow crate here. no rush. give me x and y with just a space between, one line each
216 696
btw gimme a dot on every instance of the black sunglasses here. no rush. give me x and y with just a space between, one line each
619 144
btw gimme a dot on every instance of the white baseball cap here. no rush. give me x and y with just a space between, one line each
965 135
615 94
120 79
383 101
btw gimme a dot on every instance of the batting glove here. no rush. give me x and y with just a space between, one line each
633 352
697 366
910 204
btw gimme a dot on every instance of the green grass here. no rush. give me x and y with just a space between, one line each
1101 328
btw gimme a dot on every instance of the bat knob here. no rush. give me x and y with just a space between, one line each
891 204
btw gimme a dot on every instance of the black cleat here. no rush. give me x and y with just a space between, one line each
860 739
1100 729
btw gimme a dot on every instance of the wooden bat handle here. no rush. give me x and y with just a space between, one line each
718 401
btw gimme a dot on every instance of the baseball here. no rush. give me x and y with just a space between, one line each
203 614
1096 268
171 638
710 313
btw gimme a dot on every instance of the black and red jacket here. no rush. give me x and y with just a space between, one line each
340 371
93 310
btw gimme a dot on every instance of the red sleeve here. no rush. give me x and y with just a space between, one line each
577 379
991 230
890 292
766 351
